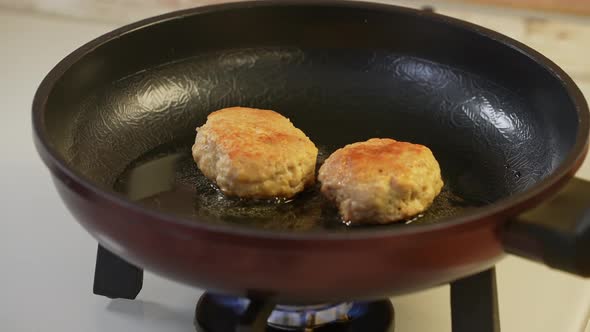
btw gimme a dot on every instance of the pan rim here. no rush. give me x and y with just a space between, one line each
501 209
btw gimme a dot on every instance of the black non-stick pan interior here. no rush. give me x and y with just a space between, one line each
124 115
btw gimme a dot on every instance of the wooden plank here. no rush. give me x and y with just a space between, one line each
577 7
562 39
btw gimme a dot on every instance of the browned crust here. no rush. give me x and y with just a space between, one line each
233 129
373 157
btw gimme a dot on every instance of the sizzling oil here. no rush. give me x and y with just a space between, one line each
167 179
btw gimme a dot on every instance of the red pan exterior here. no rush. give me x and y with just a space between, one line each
299 270
290 269
302 268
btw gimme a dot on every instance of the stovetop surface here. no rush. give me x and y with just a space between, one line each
48 260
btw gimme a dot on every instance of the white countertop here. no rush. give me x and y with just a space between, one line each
48 259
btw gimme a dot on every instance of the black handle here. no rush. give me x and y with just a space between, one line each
556 233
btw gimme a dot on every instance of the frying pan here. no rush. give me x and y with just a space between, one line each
115 120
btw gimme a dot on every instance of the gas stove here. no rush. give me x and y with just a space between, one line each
474 306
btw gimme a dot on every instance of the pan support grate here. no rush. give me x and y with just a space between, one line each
474 306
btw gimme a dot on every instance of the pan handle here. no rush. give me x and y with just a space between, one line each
557 232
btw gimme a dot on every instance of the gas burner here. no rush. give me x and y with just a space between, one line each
219 313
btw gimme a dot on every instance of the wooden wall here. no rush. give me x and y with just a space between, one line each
577 7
